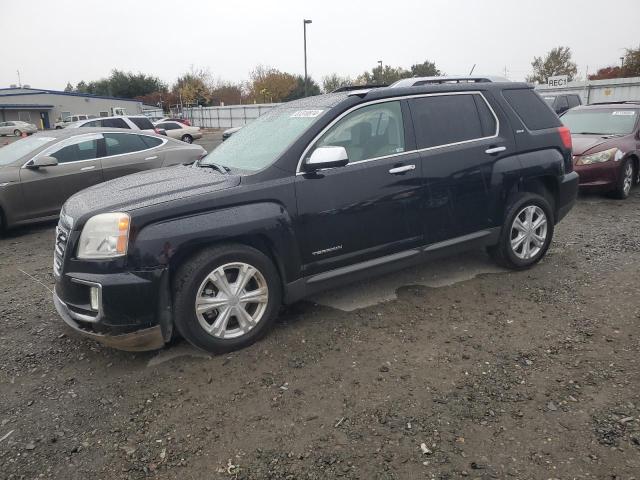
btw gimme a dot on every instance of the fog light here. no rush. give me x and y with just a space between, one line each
95 298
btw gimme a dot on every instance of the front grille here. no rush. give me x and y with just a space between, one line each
62 237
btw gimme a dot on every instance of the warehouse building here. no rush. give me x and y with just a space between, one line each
44 108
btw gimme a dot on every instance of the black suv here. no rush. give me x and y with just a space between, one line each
316 192
563 102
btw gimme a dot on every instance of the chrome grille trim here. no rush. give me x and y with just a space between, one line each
62 237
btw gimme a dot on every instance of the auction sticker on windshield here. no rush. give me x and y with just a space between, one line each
624 112
306 113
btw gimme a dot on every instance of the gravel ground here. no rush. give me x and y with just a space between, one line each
521 375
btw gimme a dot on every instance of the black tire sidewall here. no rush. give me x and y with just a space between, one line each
505 240
620 193
187 139
193 273
17 134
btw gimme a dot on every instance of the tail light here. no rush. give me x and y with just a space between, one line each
157 131
186 122
565 136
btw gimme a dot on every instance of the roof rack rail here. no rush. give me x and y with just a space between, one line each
349 88
417 81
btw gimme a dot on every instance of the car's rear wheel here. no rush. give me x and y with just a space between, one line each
17 132
187 138
625 182
526 234
226 297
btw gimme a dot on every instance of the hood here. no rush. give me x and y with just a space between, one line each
583 143
146 189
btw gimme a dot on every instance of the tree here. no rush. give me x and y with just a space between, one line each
607 72
228 93
631 62
334 81
69 87
81 87
556 62
383 75
298 90
270 84
425 69
122 84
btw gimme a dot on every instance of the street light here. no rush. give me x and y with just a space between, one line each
379 71
304 26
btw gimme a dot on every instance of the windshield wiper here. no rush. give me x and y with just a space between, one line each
221 168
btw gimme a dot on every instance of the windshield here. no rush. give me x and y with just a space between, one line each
20 148
261 142
601 121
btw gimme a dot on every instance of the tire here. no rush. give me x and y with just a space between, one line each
17 132
187 139
208 330
509 252
58 128
625 181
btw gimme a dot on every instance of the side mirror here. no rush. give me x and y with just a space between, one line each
43 162
326 157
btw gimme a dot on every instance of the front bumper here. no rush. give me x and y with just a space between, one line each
599 177
131 312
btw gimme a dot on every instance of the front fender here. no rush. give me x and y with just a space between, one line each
166 243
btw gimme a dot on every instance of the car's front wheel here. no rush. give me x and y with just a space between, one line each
187 138
226 297
526 234
625 182
17 132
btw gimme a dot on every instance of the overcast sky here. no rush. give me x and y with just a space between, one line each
53 42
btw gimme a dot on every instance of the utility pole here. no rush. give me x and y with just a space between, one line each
19 81
305 22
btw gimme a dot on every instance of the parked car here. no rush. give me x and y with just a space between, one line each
606 146
69 120
180 131
563 102
230 131
17 128
38 173
174 119
312 194
133 122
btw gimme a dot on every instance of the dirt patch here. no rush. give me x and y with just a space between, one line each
529 374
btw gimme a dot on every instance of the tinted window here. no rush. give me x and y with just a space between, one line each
562 104
151 141
114 123
95 123
441 120
80 151
369 132
574 101
487 119
531 109
142 123
119 143
169 126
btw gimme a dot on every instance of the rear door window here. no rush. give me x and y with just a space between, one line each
169 126
114 123
447 119
121 143
531 109
151 141
574 101
142 123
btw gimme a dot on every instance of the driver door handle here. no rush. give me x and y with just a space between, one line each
84 169
402 169
151 158
492 150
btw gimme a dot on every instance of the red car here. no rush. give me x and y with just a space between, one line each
606 146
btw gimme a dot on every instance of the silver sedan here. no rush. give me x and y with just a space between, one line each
39 173
17 128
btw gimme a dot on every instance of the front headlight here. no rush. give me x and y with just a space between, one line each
600 157
105 236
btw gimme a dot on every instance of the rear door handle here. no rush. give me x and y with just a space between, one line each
493 150
151 158
402 169
84 169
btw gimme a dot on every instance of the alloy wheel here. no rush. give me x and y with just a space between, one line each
627 179
528 232
231 300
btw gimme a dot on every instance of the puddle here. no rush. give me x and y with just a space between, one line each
181 350
437 273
